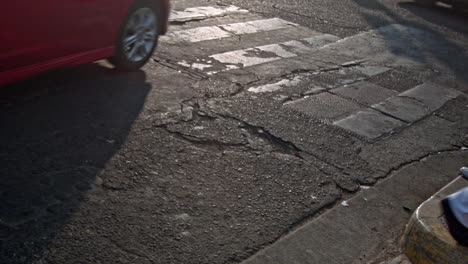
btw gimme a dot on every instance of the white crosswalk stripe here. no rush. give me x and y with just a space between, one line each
255 56
203 12
216 32
208 35
196 35
258 26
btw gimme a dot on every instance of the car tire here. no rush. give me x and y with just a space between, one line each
138 37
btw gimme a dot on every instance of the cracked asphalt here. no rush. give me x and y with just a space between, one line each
173 164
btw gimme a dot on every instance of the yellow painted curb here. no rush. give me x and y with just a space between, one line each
427 240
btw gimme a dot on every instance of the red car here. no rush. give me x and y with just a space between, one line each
36 36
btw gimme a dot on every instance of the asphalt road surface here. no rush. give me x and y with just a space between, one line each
252 118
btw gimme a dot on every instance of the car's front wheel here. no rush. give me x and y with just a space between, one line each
137 39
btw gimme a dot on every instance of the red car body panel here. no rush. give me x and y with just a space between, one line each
36 36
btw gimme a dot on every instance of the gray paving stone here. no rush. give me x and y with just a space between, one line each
369 123
432 95
324 106
404 108
399 80
365 92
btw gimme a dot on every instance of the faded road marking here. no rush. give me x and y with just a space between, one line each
253 56
238 59
196 34
276 86
321 40
222 31
258 26
262 54
245 58
203 12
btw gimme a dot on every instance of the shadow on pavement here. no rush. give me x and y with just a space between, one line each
441 49
453 19
57 132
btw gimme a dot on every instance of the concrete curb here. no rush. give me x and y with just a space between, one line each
357 231
427 239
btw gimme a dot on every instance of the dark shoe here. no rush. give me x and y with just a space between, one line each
458 231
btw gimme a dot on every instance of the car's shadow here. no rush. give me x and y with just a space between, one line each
57 132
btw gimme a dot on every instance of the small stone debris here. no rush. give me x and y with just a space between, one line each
345 203
408 209
182 216
98 181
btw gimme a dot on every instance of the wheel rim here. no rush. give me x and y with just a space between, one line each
140 34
